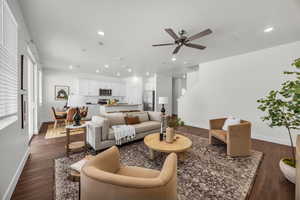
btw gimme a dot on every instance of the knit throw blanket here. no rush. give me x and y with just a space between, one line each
123 133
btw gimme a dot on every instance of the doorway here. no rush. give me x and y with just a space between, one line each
32 94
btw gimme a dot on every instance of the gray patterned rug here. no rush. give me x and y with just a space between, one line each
207 172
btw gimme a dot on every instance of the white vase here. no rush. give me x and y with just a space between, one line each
288 171
170 134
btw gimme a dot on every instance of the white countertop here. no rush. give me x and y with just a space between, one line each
121 104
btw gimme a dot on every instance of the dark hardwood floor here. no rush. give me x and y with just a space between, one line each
37 178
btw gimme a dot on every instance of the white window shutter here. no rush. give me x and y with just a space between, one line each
8 63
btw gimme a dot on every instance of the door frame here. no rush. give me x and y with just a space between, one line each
32 93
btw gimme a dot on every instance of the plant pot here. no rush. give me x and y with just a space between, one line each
288 171
170 134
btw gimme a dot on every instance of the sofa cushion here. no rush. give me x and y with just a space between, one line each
115 118
220 134
146 126
139 128
132 120
143 116
154 116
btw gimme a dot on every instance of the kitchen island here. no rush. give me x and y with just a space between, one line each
120 107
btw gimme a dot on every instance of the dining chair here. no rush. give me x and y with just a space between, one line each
70 114
84 112
57 118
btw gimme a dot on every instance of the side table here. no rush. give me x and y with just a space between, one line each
75 146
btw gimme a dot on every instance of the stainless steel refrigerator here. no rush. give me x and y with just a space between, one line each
149 100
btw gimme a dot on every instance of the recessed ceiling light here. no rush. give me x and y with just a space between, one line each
97 70
135 78
173 59
71 67
129 70
269 29
118 74
106 66
100 33
147 73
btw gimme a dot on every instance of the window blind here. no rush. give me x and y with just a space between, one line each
8 62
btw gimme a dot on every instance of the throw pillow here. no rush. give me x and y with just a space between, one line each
230 121
154 116
143 116
132 120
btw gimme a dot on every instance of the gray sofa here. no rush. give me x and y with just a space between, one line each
100 134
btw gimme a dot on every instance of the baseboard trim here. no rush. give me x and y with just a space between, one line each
14 181
273 140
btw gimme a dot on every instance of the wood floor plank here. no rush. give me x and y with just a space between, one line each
37 179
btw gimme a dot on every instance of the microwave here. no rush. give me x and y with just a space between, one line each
105 92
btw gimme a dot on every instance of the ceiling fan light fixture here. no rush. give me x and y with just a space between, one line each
182 40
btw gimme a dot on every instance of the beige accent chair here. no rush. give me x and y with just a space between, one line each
104 177
237 138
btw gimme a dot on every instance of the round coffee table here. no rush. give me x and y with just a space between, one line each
179 146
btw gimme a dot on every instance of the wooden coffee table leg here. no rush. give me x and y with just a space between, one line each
151 151
181 156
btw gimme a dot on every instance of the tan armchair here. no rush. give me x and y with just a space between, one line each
105 178
237 138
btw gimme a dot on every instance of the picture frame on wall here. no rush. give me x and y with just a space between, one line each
62 92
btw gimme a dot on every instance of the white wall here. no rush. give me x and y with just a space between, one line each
71 79
14 148
134 90
163 89
231 86
177 85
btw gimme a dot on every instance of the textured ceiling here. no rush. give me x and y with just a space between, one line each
65 31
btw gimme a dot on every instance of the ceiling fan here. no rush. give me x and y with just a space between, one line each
182 39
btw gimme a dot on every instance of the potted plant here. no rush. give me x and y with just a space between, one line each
282 108
172 124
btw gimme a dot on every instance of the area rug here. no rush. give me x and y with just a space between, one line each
207 172
59 132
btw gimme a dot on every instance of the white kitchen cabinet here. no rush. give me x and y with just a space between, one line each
93 88
83 87
106 85
100 85
122 90
115 89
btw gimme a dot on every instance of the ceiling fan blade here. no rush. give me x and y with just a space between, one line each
177 49
166 44
196 46
199 35
172 33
